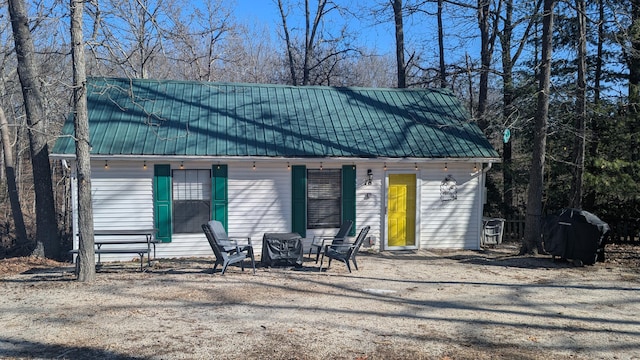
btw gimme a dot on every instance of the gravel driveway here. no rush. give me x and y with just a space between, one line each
410 305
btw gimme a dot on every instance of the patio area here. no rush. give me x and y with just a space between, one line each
417 305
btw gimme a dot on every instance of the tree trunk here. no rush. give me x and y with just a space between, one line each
533 220
590 197
86 252
443 68
401 66
508 108
287 39
597 78
634 82
485 62
581 109
47 234
311 30
22 241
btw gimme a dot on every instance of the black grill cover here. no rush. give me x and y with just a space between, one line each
281 247
577 235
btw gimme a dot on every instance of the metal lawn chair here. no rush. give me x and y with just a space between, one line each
319 242
345 252
226 250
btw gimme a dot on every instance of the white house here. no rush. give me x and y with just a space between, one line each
171 155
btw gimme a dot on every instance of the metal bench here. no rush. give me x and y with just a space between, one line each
136 236
140 251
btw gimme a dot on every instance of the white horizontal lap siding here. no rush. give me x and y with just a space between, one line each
259 200
184 245
369 200
122 198
450 224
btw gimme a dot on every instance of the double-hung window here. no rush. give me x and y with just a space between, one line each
324 198
191 200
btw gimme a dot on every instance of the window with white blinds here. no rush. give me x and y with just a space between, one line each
191 200
324 192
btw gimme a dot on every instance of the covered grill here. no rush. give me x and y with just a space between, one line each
575 235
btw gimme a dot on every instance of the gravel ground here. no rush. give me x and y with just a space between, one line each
411 305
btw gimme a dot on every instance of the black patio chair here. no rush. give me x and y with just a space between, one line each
319 242
227 251
345 252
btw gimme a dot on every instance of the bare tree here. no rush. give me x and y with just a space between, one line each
581 108
509 110
14 198
399 32
47 240
633 63
370 70
443 67
289 42
533 220
251 57
86 252
197 44
316 53
159 38
488 32
127 38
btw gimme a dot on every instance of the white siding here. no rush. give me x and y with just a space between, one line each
122 198
442 224
260 201
184 245
369 200
450 224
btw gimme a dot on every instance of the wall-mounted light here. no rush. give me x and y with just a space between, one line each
144 165
321 166
254 166
106 164
218 166
181 165
369 176
475 167
415 166
288 166
446 167
385 166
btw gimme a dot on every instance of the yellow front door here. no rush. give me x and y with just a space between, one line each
401 207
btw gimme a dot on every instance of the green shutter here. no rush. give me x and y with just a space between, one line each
162 201
349 196
299 199
219 198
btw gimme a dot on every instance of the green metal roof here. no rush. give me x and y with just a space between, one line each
186 118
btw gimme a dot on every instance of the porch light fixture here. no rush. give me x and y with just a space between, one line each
320 166
475 167
144 165
446 168
254 165
416 166
106 164
369 176
288 166
181 165
385 166
218 166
